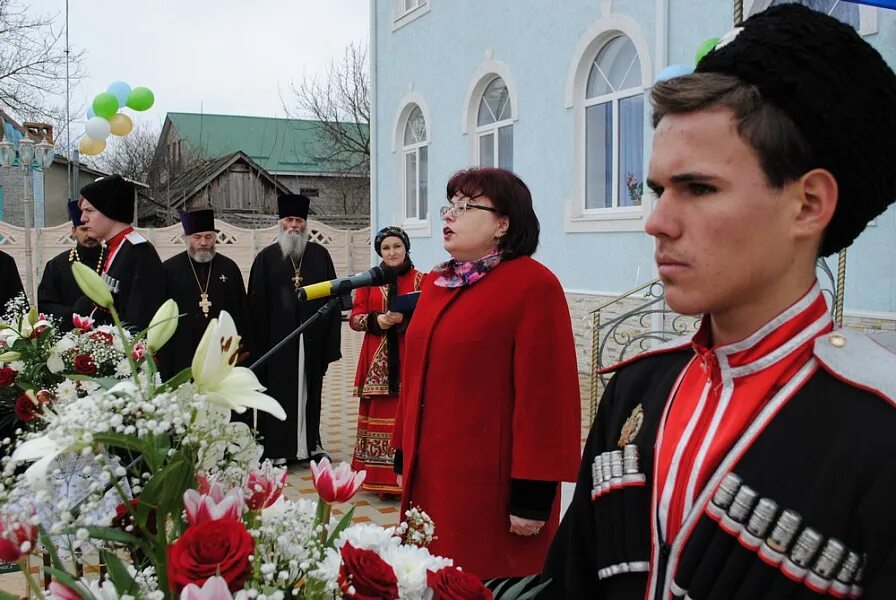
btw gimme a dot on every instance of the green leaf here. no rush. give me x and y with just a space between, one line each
344 522
113 534
176 381
118 573
119 440
8 596
518 590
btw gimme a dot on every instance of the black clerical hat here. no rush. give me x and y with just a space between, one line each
838 91
293 205
198 221
74 213
113 196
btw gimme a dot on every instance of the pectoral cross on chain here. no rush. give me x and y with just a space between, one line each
297 280
204 303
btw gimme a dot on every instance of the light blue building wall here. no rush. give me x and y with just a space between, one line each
440 56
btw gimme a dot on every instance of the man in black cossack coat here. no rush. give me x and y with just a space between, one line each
58 292
131 266
755 459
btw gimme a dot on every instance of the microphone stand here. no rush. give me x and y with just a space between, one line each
331 303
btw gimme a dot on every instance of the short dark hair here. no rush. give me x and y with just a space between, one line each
784 153
511 198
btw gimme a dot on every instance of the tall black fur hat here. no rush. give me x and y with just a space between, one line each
838 91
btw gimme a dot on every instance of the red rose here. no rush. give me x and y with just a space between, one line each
7 376
450 583
212 548
84 364
363 575
26 409
101 336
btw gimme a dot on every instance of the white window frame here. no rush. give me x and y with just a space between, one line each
406 150
401 17
867 14
492 128
488 71
598 220
414 227
612 98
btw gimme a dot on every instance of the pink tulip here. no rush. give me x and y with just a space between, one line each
335 485
214 505
264 486
214 588
60 591
82 323
139 351
17 538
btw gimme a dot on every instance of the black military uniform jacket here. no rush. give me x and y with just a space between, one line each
808 511
137 281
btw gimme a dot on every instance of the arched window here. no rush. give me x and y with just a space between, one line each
614 127
494 127
415 167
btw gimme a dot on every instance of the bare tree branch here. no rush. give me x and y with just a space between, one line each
131 155
339 100
32 63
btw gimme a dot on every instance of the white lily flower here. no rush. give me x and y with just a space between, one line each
224 385
163 325
42 450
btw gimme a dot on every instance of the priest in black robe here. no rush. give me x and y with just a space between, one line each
58 292
753 460
131 267
294 375
10 282
203 282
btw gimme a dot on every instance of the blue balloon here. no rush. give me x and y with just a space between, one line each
673 71
90 113
120 90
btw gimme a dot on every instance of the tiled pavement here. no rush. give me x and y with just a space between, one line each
338 427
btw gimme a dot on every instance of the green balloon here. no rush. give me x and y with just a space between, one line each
706 47
140 98
105 105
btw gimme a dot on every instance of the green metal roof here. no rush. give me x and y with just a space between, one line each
278 145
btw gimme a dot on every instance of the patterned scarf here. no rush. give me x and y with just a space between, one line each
459 273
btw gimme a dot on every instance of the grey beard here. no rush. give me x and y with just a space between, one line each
202 256
293 245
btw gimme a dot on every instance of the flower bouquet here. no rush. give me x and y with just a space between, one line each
178 505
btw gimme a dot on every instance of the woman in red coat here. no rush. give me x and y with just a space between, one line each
377 378
489 418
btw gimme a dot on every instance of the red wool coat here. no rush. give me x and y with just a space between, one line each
489 392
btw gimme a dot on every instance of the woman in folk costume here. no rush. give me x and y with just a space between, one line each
488 422
377 379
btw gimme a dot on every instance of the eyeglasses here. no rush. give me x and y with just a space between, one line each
459 208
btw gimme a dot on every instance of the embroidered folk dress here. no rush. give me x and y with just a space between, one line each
376 409
759 469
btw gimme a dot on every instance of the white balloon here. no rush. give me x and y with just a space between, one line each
98 128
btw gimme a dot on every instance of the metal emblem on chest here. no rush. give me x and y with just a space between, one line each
631 427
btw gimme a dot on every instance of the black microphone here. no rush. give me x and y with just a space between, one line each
376 276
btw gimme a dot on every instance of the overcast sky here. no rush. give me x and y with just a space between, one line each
215 56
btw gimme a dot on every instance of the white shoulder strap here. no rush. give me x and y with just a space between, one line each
867 361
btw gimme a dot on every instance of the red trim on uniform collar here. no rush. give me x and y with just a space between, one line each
113 244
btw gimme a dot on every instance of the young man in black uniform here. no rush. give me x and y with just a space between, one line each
754 460
131 266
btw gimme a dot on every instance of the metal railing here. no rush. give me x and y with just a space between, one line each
620 330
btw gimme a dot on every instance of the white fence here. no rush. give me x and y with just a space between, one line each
350 249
